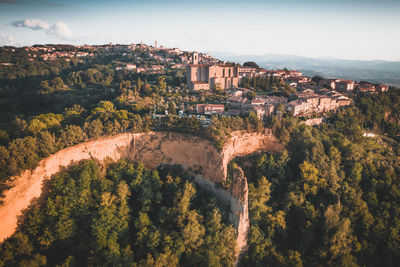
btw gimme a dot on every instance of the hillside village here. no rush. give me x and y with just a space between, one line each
308 96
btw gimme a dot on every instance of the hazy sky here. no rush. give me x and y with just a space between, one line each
350 29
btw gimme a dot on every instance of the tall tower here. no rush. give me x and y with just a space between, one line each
195 58
155 44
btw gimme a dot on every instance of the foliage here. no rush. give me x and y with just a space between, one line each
381 112
122 215
251 64
267 84
330 199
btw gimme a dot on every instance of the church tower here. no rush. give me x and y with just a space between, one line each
195 58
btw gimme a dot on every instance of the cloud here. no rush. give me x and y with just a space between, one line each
6 40
10 2
33 24
42 3
59 29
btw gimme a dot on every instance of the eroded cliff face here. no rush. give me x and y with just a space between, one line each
240 209
195 154
243 143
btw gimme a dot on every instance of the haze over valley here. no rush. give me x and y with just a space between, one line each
377 71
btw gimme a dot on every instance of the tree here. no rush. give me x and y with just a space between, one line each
317 79
193 232
259 197
35 126
49 121
162 85
71 135
251 95
45 88
171 108
310 176
251 64
4 137
57 83
23 154
104 227
94 129
46 143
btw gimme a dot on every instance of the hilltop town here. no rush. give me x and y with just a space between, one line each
242 88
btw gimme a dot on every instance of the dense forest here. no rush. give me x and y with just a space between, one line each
122 215
331 198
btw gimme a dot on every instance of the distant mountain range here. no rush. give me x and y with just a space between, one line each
376 71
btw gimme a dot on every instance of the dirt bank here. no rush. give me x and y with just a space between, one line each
195 154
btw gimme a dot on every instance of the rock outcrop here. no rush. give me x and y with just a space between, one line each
240 208
195 154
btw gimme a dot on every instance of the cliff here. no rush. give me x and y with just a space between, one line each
240 209
195 154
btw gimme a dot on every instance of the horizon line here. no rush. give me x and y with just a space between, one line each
216 51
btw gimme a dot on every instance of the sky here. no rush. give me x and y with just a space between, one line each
346 29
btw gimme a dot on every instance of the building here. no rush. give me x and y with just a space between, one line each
338 84
328 83
237 100
259 111
210 109
257 102
177 66
248 72
344 85
296 80
276 73
295 73
275 100
269 109
206 76
308 103
130 66
367 88
295 107
382 88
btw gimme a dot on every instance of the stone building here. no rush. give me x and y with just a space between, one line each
308 103
338 84
210 109
344 85
206 77
249 72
